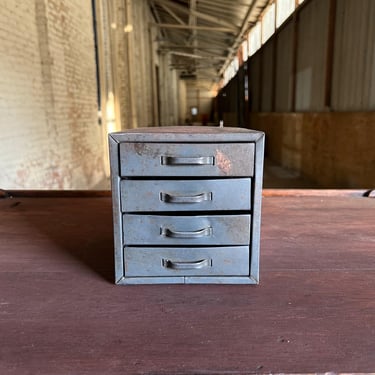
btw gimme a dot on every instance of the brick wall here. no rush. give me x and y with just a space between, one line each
49 136
134 62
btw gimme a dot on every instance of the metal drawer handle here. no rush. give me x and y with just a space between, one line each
176 160
205 232
195 265
176 198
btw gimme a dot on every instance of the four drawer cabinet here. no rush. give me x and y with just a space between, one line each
186 204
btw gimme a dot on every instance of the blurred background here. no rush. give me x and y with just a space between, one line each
71 71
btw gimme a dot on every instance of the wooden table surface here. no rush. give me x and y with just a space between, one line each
314 310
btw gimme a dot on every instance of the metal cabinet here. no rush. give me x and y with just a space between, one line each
186 204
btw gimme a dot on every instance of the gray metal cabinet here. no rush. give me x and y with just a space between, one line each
186 204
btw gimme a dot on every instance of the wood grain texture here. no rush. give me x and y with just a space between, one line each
314 310
307 146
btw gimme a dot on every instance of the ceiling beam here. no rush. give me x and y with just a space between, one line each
205 52
226 12
192 11
216 40
225 2
182 9
191 27
173 14
188 67
240 35
195 56
186 54
192 40
178 46
156 16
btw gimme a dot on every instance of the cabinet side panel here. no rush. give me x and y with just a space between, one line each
117 217
257 207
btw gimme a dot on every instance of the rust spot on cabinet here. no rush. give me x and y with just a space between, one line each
223 162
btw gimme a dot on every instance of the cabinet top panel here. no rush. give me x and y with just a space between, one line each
187 134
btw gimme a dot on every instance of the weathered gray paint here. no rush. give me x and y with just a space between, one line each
186 230
185 195
176 159
197 229
117 216
203 261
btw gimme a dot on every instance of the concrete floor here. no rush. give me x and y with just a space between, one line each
274 177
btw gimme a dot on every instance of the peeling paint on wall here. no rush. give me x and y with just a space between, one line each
49 138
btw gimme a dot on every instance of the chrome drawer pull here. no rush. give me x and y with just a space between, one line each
205 232
198 198
199 160
195 265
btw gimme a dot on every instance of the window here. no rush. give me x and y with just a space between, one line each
255 40
236 65
268 23
245 52
228 74
284 8
273 17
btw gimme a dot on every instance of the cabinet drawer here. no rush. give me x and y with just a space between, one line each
186 230
212 261
186 159
185 195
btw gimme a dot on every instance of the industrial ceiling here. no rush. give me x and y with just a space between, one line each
203 36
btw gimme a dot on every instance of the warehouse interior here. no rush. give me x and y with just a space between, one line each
73 71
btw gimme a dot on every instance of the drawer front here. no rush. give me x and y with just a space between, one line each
212 261
185 195
186 230
185 159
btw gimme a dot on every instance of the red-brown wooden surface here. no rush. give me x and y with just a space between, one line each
314 311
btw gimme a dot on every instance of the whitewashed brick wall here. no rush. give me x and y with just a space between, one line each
49 136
